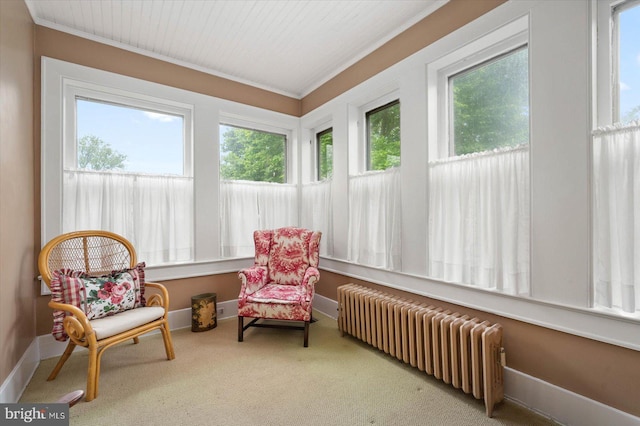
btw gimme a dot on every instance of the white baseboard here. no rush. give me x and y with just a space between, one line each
19 378
561 405
326 306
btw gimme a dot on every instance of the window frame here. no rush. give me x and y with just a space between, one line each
505 39
249 124
493 58
369 109
76 87
93 92
605 49
318 135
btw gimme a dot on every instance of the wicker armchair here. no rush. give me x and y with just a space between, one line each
72 265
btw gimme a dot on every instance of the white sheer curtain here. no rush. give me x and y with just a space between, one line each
154 212
249 206
616 160
479 220
316 212
375 220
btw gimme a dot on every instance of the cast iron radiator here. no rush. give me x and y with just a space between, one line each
462 351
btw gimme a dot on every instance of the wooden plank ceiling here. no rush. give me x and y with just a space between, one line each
286 46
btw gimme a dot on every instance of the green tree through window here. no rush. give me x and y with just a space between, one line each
325 154
490 104
253 155
95 154
383 136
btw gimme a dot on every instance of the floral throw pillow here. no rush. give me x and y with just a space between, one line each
97 297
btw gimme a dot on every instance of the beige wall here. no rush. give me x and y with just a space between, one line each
66 47
17 284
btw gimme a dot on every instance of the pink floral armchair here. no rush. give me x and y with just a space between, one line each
280 285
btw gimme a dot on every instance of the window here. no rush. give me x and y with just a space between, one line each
120 137
617 98
254 193
626 61
478 136
131 156
489 104
375 216
252 155
615 158
165 200
383 136
324 144
478 94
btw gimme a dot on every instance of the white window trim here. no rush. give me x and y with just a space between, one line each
308 150
360 166
601 12
503 40
73 89
605 68
269 127
315 158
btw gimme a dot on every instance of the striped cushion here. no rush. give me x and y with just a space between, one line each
112 325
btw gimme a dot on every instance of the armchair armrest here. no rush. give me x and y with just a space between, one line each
311 276
161 299
253 279
76 325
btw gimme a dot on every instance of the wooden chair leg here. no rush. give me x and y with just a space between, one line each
168 343
65 356
306 334
93 373
240 328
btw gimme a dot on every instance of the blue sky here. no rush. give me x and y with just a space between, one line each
151 141
629 59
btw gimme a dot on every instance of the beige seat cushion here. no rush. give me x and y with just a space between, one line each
123 321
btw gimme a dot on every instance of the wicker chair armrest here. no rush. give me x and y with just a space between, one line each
80 317
73 310
156 299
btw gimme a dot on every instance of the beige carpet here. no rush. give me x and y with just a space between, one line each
269 379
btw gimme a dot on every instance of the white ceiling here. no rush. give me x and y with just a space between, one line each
286 46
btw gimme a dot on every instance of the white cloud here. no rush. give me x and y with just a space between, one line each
624 86
160 117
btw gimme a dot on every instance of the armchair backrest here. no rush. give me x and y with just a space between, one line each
287 253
